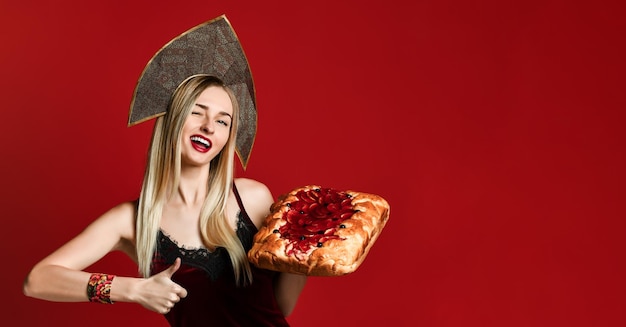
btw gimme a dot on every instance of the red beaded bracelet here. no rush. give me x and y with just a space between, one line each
99 288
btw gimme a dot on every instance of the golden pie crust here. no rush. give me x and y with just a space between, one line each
334 257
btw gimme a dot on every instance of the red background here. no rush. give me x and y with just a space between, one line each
493 128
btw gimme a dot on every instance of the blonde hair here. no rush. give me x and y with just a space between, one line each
162 176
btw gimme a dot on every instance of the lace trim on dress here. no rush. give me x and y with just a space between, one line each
211 262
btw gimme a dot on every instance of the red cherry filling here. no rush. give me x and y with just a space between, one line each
314 218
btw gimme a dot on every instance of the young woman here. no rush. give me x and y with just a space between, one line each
188 232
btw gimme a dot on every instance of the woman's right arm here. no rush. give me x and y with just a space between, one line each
60 277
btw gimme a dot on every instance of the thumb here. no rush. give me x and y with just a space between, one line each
169 272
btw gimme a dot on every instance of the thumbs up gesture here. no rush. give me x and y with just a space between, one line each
159 293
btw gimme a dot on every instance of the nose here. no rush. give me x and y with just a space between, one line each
207 126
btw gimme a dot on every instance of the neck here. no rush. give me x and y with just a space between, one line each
192 186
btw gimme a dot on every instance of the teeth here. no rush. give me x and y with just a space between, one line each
200 140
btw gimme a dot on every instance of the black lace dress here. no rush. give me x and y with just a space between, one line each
213 299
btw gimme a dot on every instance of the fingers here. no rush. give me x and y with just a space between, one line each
174 298
172 292
169 272
181 292
167 308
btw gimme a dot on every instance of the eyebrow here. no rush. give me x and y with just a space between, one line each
223 113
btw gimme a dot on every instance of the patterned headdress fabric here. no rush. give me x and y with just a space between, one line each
210 48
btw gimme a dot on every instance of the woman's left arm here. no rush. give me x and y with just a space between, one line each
287 290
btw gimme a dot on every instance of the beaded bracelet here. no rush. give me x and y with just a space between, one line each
99 288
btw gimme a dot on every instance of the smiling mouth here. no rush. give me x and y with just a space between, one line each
200 143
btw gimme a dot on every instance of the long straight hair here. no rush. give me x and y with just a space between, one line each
162 176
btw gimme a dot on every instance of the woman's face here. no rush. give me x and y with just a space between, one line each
207 128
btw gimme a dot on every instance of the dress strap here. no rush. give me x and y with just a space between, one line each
242 210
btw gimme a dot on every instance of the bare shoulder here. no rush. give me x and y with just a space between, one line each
120 218
256 197
251 186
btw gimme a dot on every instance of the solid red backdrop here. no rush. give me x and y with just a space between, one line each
493 128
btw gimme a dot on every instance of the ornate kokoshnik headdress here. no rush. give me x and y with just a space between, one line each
209 48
